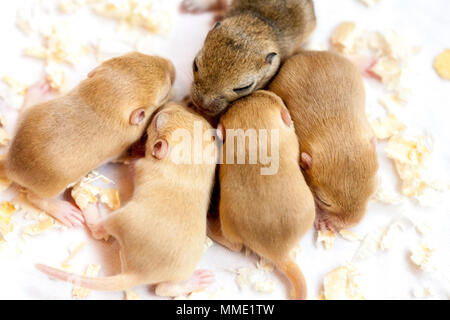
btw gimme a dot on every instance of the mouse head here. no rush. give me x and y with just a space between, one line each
129 88
342 180
262 109
231 64
172 125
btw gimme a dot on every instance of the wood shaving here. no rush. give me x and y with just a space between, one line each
5 137
58 46
208 243
369 3
385 194
341 284
39 227
350 235
370 245
7 209
345 38
131 295
55 75
326 238
386 127
17 86
409 154
135 13
85 193
442 64
70 6
423 257
73 250
391 234
255 279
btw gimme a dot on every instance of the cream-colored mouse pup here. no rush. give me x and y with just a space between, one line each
60 141
244 51
325 95
268 213
162 230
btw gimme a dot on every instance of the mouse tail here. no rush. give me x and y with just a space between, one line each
118 282
295 276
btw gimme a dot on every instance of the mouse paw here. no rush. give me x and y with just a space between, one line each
200 280
38 92
324 223
195 6
66 213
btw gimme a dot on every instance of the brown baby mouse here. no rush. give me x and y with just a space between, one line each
267 211
59 141
244 51
325 95
162 230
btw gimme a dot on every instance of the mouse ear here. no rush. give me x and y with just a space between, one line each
92 73
286 117
160 149
137 116
373 141
305 161
220 132
161 120
270 57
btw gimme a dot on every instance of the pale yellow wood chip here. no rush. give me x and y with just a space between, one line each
340 284
326 238
442 64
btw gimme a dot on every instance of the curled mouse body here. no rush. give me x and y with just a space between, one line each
59 141
244 51
267 212
162 230
325 95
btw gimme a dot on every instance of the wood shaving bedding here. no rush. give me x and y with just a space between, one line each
342 284
85 193
326 238
442 64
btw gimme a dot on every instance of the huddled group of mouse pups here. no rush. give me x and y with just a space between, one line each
316 100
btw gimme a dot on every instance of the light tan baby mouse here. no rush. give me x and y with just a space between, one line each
325 95
60 141
268 212
162 230
244 51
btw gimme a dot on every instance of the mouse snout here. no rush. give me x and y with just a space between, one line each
211 107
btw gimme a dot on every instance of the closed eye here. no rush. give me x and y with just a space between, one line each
244 89
322 202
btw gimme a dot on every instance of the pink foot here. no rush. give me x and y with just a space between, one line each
323 223
199 6
38 92
365 65
63 211
93 219
66 213
195 6
201 279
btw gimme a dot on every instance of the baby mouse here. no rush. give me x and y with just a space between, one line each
244 51
59 141
325 95
162 230
268 213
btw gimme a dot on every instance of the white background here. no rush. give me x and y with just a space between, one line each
386 275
